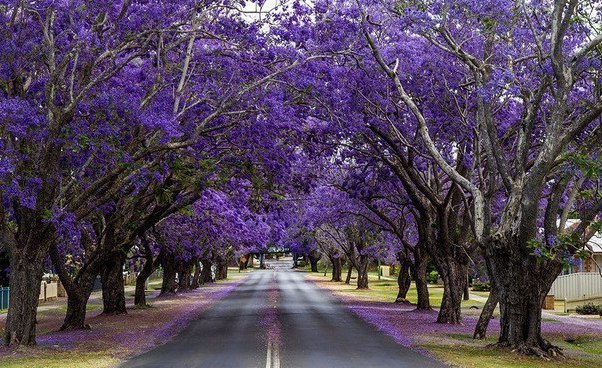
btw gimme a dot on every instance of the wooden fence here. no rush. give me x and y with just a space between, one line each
581 285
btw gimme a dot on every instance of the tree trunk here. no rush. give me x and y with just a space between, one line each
403 280
221 272
185 279
206 273
453 273
77 301
169 285
196 278
480 330
78 287
313 261
147 270
362 272
523 281
337 269
466 289
261 261
25 281
349 271
113 287
78 294
421 261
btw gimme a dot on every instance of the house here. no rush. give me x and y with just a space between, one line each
595 246
581 283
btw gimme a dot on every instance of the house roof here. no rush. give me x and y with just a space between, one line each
595 243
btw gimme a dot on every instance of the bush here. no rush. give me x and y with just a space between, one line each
589 309
433 277
481 286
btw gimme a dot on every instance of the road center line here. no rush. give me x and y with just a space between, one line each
268 359
276 360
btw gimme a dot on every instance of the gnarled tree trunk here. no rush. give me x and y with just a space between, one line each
206 274
362 272
349 271
421 260
113 287
313 261
337 268
25 281
221 272
480 331
196 278
453 274
523 281
185 279
78 287
169 285
403 279
150 265
77 301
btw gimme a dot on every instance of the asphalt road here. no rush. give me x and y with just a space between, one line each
307 328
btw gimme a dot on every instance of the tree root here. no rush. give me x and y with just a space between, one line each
84 327
544 350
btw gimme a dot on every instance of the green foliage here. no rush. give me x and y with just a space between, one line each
433 277
590 168
589 309
489 23
481 286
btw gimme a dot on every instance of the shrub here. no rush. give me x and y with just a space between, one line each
433 277
481 286
589 308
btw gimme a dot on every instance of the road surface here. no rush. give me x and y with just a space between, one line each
278 319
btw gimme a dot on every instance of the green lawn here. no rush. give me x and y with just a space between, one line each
473 354
91 353
71 359
460 349
386 289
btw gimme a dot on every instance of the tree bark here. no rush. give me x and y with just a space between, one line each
77 301
421 261
221 272
78 294
206 277
466 289
337 269
349 271
480 330
185 280
25 281
453 274
196 278
362 272
78 287
523 281
403 280
147 270
313 260
113 287
169 285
